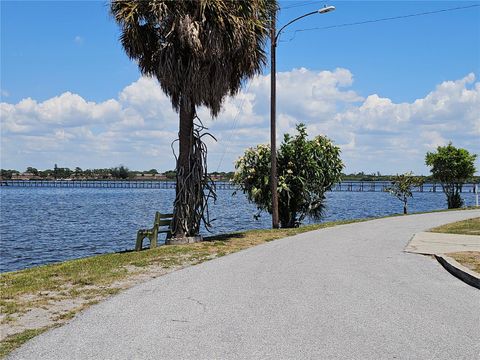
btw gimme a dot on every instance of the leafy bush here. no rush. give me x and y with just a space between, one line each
306 170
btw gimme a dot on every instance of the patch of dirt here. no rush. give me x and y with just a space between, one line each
39 317
469 259
49 308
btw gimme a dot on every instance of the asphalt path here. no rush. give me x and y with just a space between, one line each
348 292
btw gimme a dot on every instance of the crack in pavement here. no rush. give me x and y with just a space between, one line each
198 302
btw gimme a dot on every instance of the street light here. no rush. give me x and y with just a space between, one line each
273 83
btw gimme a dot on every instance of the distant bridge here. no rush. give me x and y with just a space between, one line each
349 186
382 186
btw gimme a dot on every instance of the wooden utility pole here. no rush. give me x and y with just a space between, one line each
273 131
273 102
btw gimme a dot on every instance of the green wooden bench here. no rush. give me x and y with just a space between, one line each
161 220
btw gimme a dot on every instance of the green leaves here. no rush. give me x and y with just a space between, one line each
402 187
451 164
253 174
452 167
306 170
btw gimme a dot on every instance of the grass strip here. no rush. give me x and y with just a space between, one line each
14 341
469 259
466 227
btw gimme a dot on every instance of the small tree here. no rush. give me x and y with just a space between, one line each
119 172
171 174
306 170
402 187
78 172
452 167
32 170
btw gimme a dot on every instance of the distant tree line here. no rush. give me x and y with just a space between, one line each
361 176
118 172
122 172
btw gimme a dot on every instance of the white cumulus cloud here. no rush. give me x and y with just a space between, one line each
137 127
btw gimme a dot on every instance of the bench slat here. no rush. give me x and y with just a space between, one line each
164 222
164 215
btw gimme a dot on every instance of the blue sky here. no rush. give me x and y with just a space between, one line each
87 104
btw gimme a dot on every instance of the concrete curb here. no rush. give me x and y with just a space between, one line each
184 240
459 271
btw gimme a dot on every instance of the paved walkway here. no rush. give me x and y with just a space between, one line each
348 292
430 243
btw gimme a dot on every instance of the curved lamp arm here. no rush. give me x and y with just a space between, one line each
319 11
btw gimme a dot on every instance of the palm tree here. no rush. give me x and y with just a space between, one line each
200 51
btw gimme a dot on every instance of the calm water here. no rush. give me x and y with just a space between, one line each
45 225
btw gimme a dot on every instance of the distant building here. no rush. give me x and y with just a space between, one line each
140 176
25 176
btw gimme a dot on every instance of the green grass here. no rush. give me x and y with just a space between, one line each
466 227
69 275
14 341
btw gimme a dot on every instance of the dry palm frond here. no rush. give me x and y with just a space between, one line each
197 49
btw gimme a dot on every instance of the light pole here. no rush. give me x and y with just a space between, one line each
273 105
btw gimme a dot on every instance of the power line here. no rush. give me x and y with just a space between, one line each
235 120
332 27
306 3
380 20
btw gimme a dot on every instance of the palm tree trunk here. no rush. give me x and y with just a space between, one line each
181 223
185 135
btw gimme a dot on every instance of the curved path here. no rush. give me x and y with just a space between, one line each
348 292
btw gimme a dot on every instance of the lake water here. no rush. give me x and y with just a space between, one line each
45 225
